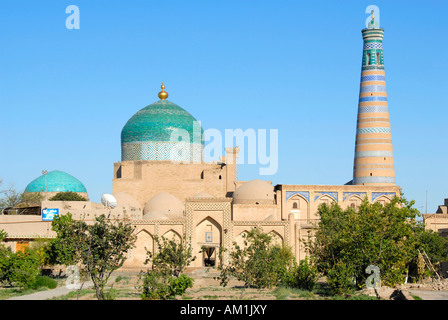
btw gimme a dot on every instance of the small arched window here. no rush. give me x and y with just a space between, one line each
368 59
294 205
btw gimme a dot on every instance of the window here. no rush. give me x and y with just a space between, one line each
378 58
368 59
294 205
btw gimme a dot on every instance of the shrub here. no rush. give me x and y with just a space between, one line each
155 285
340 279
23 269
44 281
178 286
259 263
67 196
306 276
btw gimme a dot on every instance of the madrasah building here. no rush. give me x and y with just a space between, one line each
164 193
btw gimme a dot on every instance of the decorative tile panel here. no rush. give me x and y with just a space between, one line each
304 194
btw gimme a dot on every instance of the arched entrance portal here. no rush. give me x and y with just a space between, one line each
209 240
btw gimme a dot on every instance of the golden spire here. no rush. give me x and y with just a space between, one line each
373 15
163 94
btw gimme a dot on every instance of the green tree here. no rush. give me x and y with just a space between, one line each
61 250
100 248
67 196
259 263
23 269
171 256
5 254
166 279
347 241
431 244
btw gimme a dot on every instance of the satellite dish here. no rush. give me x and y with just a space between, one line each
108 201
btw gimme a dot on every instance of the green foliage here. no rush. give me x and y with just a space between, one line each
154 285
340 278
166 280
157 285
303 276
347 241
67 196
5 254
434 245
61 250
23 269
100 247
259 263
171 257
44 281
178 286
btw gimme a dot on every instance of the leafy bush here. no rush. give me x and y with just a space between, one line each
306 275
44 281
67 196
155 285
260 263
178 286
23 269
340 278
350 240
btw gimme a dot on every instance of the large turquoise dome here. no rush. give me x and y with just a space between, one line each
56 181
162 131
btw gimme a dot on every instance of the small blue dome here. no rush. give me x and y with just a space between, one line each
56 181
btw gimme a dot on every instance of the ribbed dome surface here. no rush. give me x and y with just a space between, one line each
56 181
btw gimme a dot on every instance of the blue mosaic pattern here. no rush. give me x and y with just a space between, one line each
373 78
379 194
364 89
56 181
373 45
373 130
366 99
157 121
153 131
370 109
372 67
347 195
333 195
161 151
304 194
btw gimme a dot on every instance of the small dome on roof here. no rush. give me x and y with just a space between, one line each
56 181
253 191
162 207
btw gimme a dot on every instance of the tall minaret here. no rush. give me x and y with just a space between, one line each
374 162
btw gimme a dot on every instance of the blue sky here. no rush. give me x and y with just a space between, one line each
289 65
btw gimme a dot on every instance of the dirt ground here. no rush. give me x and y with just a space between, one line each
205 287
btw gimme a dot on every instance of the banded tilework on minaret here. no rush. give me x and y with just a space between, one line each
374 162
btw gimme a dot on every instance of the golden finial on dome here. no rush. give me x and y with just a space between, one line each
163 94
373 15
